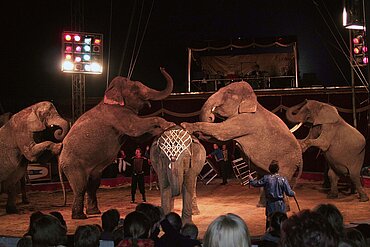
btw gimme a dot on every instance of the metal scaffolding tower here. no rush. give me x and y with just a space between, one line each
78 95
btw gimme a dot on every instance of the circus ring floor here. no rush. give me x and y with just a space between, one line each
213 200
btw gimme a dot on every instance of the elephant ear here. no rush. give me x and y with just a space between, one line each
327 114
248 104
113 94
34 122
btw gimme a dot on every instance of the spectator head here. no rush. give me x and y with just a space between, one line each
136 226
215 146
118 234
175 220
355 237
87 236
48 231
274 167
34 216
138 152
276 219
307 229
190 230
333 215
25 241
227 230
152 212
110 219
60 217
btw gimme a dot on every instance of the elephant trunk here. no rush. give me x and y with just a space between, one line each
293 113
206 113
152 94
63 129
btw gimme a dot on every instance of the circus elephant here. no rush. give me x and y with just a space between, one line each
96 137
260 134
343 146
18 146
178 158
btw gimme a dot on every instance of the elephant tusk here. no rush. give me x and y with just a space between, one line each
213 109
297 126
169 166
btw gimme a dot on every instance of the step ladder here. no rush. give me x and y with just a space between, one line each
242 170
208 173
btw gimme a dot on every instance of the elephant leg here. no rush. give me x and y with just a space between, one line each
187 198
357 183
334 178
78 182
23 190
92 186
11 188
167 202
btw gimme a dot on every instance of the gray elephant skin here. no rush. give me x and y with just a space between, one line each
343 146
178 176
96 137
260 134
18 146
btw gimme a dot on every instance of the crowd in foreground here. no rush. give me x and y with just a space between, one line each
147 226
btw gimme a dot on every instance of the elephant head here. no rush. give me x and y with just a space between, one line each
236 98
134 94
43 115
313 112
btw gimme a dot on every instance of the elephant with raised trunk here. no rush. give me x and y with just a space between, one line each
95 139
178 158
18 146
342 145
260 134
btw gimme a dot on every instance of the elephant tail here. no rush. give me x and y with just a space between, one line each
60 171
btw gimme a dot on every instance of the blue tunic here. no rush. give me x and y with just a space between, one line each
275 186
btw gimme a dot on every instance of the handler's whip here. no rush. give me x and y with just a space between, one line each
295 199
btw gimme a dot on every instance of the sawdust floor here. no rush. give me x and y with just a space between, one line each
213 200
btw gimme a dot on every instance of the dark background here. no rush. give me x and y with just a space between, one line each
31 40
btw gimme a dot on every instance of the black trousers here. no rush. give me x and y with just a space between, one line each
223 170
137 180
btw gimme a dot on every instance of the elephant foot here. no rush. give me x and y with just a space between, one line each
80 216
11 210
364 198
332 195
196 211
91 211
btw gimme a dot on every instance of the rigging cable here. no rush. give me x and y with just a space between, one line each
110 41
127 38
142 39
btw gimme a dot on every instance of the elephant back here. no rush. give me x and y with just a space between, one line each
174 141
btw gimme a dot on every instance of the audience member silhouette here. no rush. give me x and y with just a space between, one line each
171 226
355 238
87 236
34 216
190 230
48 231
154 215
227 230
136 229
109 219
272 236
333 216
308 229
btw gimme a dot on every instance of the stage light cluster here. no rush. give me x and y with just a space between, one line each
359 48
82 53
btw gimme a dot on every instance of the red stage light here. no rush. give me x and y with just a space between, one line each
68 37
78 48
97 41
68 57
77 38
78 59
364 49
356 50
356 41
68 48
365 60
96 48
